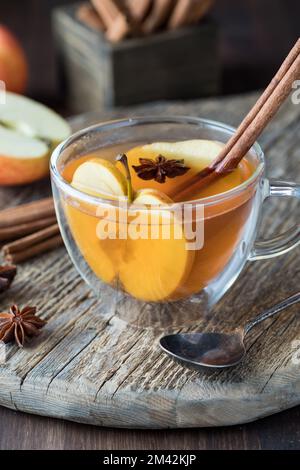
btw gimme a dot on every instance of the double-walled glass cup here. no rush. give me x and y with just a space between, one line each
161 281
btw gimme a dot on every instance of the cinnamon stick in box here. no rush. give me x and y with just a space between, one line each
88 15
138 9
188 11
116 24
158 15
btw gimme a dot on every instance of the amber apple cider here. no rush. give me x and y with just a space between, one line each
160 270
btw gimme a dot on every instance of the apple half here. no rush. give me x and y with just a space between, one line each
29 131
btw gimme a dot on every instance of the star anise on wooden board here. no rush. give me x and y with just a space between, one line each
7 274
160 168
19 324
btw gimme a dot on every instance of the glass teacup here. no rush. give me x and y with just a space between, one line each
162 276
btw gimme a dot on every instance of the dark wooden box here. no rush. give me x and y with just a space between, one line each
180 64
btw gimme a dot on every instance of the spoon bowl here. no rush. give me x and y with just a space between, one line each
206 349
214 349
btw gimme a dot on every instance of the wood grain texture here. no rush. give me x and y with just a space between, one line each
89 366
24 431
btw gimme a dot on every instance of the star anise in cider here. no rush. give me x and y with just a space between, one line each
160 168
19 324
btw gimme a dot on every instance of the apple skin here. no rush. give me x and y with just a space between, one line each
13 62
17 171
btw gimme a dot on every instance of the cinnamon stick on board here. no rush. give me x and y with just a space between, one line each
26 213
249 130
24 243
34 250
17 231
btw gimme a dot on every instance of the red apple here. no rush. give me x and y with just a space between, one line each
29 131
13 63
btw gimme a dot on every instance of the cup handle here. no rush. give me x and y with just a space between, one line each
286 241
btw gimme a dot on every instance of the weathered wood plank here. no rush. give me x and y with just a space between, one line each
89 366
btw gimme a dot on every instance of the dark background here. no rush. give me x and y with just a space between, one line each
255 35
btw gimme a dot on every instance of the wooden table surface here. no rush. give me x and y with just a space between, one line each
22 431
282 431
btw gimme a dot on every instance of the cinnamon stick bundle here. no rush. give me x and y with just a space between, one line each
115 21
26 242
188 12
34 250
88 15
27 213
19 230
28 230
158 15
120 19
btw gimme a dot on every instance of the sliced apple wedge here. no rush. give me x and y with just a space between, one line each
154 269
197 152
99 254
148 270
151 197
196 155
99 177
29 132
33 119
22 159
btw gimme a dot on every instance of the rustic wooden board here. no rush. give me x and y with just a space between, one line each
91 367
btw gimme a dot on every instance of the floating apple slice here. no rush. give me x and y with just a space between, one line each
99 254
99 177
196 153
29 132
154 270
151 197
147 271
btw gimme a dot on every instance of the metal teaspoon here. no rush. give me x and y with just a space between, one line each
217 350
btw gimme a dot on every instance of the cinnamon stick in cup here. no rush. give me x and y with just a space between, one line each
251 127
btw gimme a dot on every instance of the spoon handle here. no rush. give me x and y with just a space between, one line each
293 299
